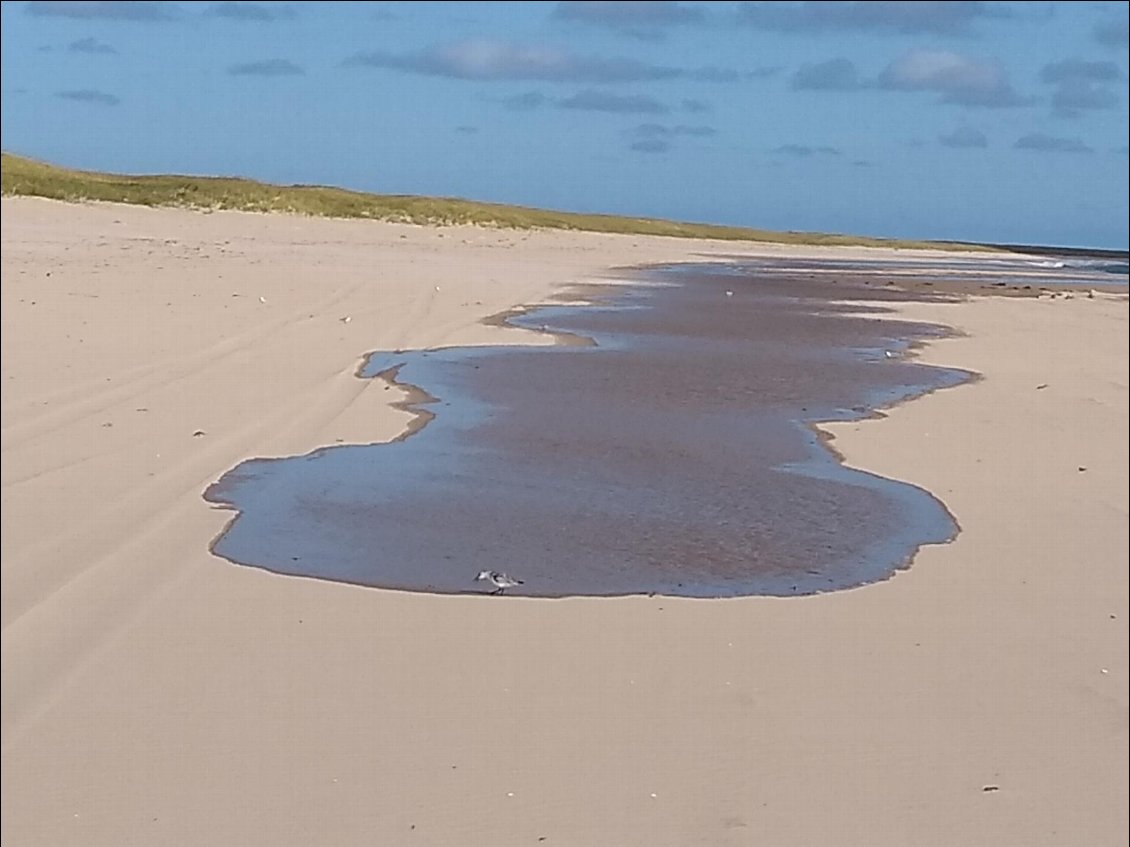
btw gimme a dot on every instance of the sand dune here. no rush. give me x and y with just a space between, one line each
155 694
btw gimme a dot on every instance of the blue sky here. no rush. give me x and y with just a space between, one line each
1002 122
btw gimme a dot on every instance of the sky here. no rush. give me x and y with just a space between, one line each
991 122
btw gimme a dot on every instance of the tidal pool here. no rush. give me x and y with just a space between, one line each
673 453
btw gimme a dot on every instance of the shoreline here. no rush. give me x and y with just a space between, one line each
231 705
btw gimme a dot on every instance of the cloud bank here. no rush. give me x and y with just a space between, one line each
803 151
956 78
602 101
652 130
90 45
250 12
1051 144
1079 86
267 67
644 19
908 18
588 100
491 60
964 138
109 10
89 95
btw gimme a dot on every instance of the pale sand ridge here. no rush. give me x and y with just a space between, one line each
155 694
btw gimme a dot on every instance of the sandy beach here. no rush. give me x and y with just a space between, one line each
156 694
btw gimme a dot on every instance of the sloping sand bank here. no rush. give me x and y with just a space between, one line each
155 694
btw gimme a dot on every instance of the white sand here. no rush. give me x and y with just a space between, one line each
155 694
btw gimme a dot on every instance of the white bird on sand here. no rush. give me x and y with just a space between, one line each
499 580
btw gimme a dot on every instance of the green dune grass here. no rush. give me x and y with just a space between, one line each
22 176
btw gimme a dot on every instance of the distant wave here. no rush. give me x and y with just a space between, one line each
1094 265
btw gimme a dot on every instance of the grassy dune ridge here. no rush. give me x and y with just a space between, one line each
22 176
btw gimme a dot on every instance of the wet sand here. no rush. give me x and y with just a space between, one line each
153 692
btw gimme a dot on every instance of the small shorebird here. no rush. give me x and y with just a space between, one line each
499 580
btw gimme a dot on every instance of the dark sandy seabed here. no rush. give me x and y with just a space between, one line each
664 445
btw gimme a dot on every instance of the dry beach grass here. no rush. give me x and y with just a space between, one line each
27 177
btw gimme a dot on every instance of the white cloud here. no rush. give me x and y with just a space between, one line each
958 79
